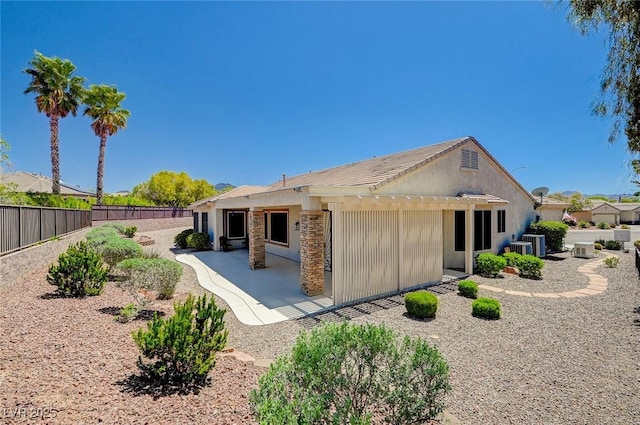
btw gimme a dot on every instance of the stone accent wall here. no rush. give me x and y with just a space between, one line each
311 253
256 240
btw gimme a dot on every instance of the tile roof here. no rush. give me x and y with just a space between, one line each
30 182
371 172
233 193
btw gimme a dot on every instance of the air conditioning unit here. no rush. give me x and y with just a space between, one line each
522 247
584 250
539 244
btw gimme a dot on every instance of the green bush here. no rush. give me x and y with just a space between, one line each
602 225
128 313
130 231
598 246
468 288
637 244
101 233
152 274
79 272
625 226
611 262
490 265
198 241
613 245
600 241
530 267
180 350
553 231
347 373
181 238
486 308
115 249
118 227
584 224
421 304
512 258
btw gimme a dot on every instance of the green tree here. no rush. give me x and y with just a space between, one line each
4 155
103 106
58 94
174 189
620 81
576 201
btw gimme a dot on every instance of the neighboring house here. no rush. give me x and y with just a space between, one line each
36 183
552 209
611 213
380 225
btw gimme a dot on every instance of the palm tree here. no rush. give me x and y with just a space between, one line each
57 94
103 105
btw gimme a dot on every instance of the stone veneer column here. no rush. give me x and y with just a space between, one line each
256 240
311 253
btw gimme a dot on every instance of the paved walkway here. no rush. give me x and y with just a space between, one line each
597 284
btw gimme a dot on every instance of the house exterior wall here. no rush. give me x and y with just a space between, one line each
292 249
551 214
629 216
444 176
606 213
583 216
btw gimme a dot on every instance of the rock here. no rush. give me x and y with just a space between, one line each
511 270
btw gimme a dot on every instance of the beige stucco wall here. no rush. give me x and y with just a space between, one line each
444 176
550 214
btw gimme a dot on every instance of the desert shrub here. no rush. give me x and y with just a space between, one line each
130 231
490 265
346 373
602 225
468 288
625 226
611 262
512 258
637 244
151 274
584 224
553 231
613 225
118 227
198 241
600 241
181 238
486 308
101 233
613 245
151 253
180 350
598 246
79 272
115 249
421 304
128 313
530 266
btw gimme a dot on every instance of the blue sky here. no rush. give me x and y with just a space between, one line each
243 92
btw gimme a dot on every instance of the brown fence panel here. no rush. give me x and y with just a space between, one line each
24 226
117 212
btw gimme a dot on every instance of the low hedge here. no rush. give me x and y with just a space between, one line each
490 265
421 304
468 288
181 238
553 231
512 258
114 249
486 308
530 266
199 241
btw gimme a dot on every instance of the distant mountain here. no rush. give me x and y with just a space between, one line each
223 186
610 196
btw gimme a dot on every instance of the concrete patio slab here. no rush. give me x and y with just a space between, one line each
256 297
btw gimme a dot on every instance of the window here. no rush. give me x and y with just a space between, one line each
276 227
469 159
195 222
481 230
502 221
459 230
205 222
236 225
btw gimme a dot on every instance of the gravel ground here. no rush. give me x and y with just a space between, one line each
547 361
